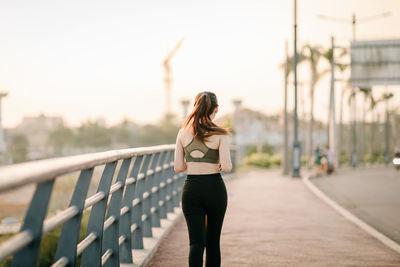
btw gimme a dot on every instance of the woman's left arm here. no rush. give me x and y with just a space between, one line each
179 161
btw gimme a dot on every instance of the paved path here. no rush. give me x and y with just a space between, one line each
373 195
276 221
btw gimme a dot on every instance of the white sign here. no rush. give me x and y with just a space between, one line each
375 63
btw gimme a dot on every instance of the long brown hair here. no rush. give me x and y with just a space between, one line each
199 119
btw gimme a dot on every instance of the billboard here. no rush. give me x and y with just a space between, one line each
375 63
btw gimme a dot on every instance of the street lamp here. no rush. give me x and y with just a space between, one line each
354 20
296 143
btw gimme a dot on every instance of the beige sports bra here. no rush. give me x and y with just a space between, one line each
210 155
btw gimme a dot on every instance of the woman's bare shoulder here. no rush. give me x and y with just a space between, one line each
223 137
185 131
185 135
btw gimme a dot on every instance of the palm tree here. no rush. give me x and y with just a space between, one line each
372 108
373 104
312 54
386 97
367 92
345 88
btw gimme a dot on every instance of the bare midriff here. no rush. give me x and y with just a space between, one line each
202 168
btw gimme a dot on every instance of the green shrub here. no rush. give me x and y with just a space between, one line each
344 159
304 160
381 159
276 160
368 158
258 159
266 148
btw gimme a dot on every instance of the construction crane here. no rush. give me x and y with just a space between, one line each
168 77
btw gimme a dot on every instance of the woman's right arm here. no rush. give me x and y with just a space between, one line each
225 154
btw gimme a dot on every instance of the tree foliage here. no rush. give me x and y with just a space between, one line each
19 148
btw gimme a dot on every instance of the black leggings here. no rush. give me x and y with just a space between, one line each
204 195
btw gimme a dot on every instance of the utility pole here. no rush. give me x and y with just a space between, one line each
354 105
332 111
387 128
296 143
285 116
354 153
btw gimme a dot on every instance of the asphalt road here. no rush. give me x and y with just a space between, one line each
373 195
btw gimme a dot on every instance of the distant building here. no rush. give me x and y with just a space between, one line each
256 128
36 130
251 128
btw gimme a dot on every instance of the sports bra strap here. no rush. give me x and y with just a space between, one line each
210 155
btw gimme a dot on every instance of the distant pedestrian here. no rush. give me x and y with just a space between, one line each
202 148
330 158
317 157
396 159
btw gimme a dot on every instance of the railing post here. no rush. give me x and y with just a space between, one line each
155 191
111 234
147 230
162 190
127 218
66 247
170 184
175 185
137 211
33 223
91 256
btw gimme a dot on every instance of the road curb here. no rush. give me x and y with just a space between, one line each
345 213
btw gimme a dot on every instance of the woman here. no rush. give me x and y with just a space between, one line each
202 149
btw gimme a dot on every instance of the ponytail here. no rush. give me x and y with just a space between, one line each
199 119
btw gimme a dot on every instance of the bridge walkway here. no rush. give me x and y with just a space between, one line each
273 220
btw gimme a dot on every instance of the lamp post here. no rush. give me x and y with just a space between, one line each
332 109
285 115
296 143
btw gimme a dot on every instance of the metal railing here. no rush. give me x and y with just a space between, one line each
121 214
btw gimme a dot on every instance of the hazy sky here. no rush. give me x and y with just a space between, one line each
88 59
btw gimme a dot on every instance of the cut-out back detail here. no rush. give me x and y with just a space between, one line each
210 155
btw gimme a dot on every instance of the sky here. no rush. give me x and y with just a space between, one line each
103 59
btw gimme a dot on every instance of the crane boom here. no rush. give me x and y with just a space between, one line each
168 79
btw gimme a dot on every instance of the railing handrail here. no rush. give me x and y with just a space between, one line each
16 175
